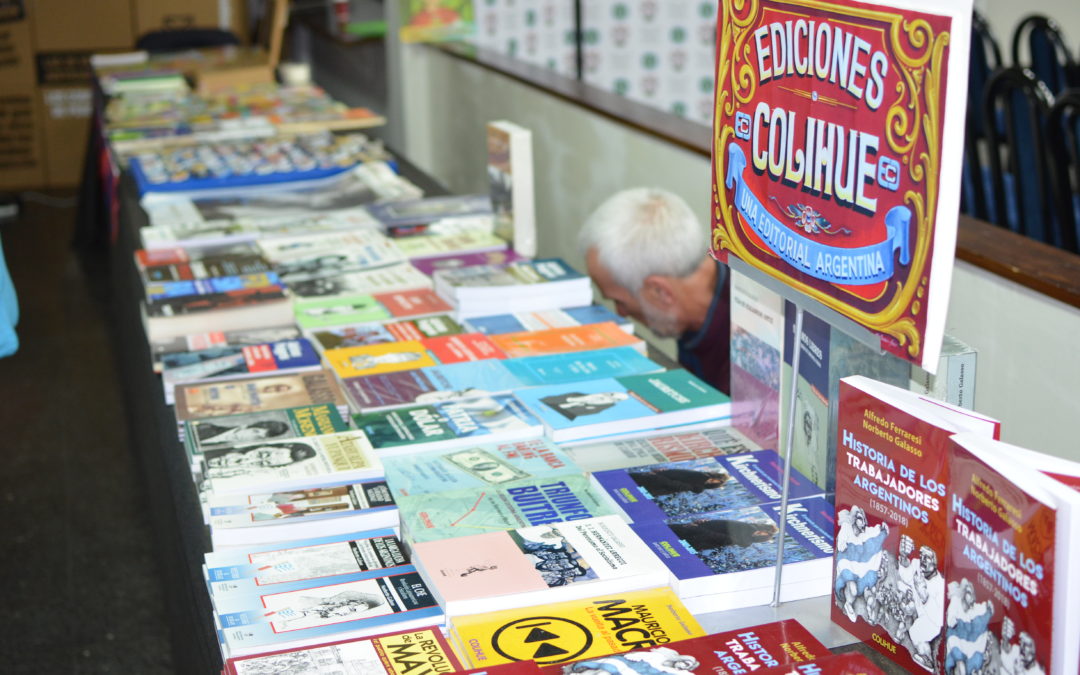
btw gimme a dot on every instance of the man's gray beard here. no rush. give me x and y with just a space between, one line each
661 322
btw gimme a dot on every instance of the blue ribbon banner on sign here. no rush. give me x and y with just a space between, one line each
860 266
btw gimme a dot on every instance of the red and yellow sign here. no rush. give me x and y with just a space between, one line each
832 170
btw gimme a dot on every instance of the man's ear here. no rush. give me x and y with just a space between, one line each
659 290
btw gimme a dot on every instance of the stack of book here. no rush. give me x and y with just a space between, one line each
528 285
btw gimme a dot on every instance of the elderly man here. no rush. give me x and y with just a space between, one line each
646 252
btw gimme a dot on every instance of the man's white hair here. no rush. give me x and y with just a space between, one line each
644 231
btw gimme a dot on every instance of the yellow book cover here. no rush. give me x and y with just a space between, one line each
387 357
575 629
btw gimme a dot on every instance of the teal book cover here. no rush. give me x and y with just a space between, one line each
580 366
622 404
487 419
478 466
443 515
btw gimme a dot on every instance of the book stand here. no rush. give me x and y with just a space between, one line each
835 320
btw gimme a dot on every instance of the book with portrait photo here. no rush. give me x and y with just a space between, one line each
303 614
200 435
623 404
254 569
270 517
309 461
258 394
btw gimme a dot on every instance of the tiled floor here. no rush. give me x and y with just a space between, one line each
81 592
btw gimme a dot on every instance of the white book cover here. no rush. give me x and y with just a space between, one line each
296 463
510 175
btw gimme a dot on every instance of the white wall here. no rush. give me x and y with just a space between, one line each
1028 374
1004 15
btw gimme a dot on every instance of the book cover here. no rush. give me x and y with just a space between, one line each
421 651
542 275
573 630
891 505
515 668
312 614
852 663
314 313
757 345
454 260
450 424
565 339
680 489
378 332
248 570
1010 566
423 211
300 462
296 514
580 366
954 381
462 347
397 277
387 357
809 449
537 565
733 652
200 435
466 240
257 394
721 554
205 304
658 448
480 466
221 363
413 302
161 291
536 501
454 381
206 267
510 178
317 254
523 322
206 340
621 404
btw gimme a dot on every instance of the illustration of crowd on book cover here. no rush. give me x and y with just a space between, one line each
420 447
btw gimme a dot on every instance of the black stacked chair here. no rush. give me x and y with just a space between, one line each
1015 108
1048 57
1063 138
985 59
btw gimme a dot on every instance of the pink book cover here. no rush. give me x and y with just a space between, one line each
463 347
457 573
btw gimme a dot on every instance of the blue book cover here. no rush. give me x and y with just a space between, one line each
736 549
358 607
517 322
239 360
248 570
239 282
580 366
479 466
428 385
678 489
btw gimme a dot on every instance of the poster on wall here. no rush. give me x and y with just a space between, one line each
837 142
436 20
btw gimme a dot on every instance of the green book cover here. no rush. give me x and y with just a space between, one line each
491 419
338 310
536 501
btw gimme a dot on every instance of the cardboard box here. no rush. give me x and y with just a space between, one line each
151 15
22 163
66 113
16 47
82 25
